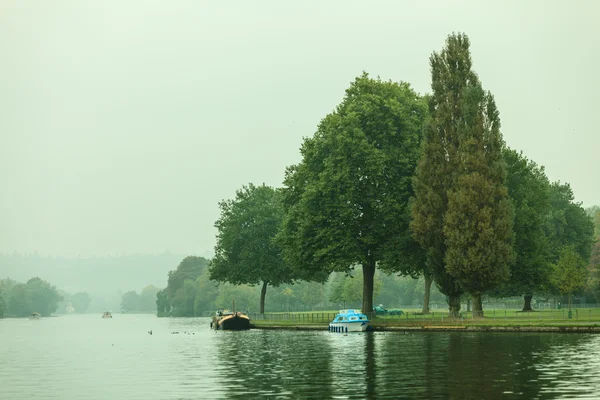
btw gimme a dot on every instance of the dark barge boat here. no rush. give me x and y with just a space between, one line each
230 321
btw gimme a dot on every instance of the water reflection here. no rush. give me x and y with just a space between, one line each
354 367
288 364
87 352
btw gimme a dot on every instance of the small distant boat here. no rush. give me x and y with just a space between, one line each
35 315
107 315
230 321
350 321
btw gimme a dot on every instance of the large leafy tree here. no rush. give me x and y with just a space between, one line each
130 301
528 188
347 201
567 223
451 77
43 297
36 295
148 298
80 301
190 268
246 252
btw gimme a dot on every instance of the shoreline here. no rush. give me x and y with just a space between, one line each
449 328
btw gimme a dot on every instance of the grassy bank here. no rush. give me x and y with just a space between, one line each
582 320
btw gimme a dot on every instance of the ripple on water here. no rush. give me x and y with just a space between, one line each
86 357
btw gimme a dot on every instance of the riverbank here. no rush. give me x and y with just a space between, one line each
539 328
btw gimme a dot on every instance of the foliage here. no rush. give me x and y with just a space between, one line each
246 297
36 295
130 301
2 306
310 294
594 213
246 252
190 268
19 301
148 298
451 76
569 273
44 297
528 188
206 294
6 286
347 288
479 220
347 201
163 305
172 299
80 301
567 223
400 290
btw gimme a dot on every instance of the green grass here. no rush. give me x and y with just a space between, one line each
514 318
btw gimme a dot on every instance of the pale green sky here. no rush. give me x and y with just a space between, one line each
123 123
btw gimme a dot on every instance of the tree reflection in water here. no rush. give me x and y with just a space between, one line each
287 364
423 365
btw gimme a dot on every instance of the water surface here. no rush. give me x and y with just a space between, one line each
87 357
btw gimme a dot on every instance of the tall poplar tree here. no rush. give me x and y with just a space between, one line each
451 75
478 225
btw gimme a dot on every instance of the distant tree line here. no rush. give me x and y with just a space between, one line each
23 299
196 294
408 185
143 302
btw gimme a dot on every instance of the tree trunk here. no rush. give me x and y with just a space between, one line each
263 293
468 305
477 306
570 301
368 275
454 306
427 295
527 305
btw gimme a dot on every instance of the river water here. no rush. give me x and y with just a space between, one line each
87 357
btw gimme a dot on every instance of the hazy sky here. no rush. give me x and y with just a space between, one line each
123 123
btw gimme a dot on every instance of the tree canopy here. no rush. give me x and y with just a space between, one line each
80 301
479 220
567 223
246 251
529 189
130 301
569 272
36 295
451 76
189 268
347 200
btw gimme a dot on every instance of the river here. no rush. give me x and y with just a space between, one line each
87 357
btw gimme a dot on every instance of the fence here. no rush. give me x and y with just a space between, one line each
414 317
299 318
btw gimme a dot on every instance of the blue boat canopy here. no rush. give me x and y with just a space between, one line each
350 316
